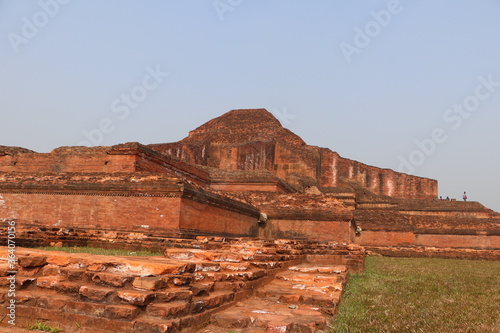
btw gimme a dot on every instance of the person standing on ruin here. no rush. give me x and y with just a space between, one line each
465 196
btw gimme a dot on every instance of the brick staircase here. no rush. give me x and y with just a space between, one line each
300 299
181 291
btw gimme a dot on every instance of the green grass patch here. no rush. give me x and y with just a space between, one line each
41 326
100 251
421 295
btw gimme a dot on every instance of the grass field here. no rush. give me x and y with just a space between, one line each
421 295
99 251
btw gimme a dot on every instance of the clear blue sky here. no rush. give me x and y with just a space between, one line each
367 79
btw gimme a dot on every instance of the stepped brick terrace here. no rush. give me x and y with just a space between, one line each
258 230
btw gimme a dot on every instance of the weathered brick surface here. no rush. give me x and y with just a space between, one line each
111 279
32 261
94 293
434 252
162 294
136 297
160 214
431 223
153 204
254 139
124 158
156 190
300 299
239 175
208 219
149 283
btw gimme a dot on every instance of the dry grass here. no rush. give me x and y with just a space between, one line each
100 251
422 295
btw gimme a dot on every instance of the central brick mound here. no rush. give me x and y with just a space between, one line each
274 286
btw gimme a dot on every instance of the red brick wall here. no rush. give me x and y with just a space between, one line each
338 231
377 180
203 218
459 241
318 163
429 216
169 166
256 156
395 238
385 238
289 160
34 163
121 158
224 157
248 187
161 214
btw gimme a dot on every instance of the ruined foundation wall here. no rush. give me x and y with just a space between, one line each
124 158
334 169
427 223
147 160
443 240
197 217
296 160
472 241
141 202
55 163
154 214
339 231
386 238
321 164
158 215
434 252
249 187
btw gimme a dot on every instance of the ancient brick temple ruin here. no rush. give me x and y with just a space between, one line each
258 229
